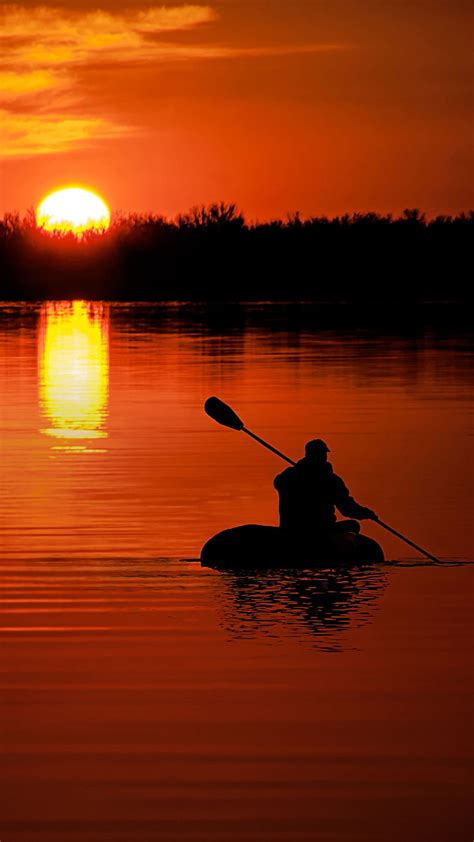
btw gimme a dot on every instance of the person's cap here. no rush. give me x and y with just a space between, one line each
315 445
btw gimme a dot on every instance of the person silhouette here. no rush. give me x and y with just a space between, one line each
310 492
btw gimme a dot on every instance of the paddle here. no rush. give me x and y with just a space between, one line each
225 415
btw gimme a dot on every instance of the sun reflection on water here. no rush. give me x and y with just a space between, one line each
74 370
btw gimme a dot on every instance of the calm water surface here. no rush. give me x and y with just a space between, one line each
146 698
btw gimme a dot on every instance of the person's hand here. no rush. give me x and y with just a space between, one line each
368 514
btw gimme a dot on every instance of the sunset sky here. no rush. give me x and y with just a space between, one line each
321 106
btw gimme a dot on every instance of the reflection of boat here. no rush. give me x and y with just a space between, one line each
323 602
254 546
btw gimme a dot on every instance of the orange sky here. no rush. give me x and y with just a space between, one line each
322 106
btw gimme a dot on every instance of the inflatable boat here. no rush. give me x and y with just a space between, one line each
255 546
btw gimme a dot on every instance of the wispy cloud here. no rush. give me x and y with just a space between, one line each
16 85
50 37
30 134
43 51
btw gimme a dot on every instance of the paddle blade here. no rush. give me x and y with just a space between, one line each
222 413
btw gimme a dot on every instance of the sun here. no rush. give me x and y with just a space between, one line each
73 209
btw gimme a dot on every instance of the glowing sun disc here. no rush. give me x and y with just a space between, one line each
73 209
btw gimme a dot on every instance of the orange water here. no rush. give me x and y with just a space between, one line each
146 698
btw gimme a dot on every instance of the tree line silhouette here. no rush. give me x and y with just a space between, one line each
213 254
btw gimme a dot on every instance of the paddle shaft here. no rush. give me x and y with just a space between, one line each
268 446
407 540
376 520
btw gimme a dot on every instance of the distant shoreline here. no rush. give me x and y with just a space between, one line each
414 321
213 255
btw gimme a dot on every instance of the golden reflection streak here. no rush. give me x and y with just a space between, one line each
74 369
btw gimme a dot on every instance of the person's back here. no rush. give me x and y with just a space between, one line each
310 492
306 496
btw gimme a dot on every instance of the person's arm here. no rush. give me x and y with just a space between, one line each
347 505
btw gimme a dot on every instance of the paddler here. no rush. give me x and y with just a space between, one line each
310 492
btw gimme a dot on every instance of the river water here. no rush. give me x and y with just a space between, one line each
146 698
